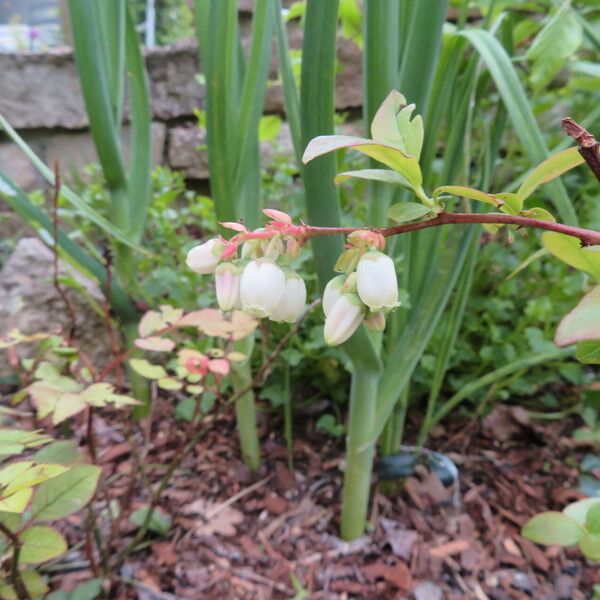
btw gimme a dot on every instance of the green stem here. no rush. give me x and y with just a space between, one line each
359 453
245 406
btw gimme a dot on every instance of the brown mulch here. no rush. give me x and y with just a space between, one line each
273 534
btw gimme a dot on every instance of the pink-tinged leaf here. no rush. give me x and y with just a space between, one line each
392 156
582 323
278 215
152 321
219 366
170 314
235 226
199 318
155 344
242 325
193 361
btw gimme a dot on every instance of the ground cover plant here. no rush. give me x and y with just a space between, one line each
390 246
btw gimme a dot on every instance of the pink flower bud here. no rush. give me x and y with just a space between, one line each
204 258
261 287
292 301
343 319
333 291
376 281
227 283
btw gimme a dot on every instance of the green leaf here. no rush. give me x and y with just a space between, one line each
550 169
392 125
560 37
583 322
537 212
90 590
147 369
592 519
34 583
553 528
467 192
407 211
588 352
17 502
384 175
569 250
26 474
64 452
578 510
268 128
99 394
513 204
14 441
41 543
160 522
589 545
393 157
65 494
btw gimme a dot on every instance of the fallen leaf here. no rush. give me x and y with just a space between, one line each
213 518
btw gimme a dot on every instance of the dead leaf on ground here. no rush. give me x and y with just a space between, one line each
213 518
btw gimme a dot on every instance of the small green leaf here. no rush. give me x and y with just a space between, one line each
65 494
17 502
553 528
407 211
151 321
589 545
147 369
513 204
21 475
578 510
268 128
582 323
588 352
34 583
550 169
169 383
347 261
569 250
537 212
392 125
389 155
64 452
160 522
592 519
90 590
383 175
41 543
467 192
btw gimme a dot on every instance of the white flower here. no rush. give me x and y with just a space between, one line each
205 257
292 301
261 287
343 319
227 283
376 281
333 291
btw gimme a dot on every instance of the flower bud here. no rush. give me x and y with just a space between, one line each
261 287
343 319
376 321
333 291
376 281
292 301
227 283
204 258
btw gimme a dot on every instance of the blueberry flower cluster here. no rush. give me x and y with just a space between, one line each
365 293
260 281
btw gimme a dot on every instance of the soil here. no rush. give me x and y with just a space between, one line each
273 534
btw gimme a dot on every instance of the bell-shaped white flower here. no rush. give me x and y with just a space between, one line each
332 292
292 301
261 287
205 257
376 281
227 284
343 319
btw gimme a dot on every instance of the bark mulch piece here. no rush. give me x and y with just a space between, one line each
273 534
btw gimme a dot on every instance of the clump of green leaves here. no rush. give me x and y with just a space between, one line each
577 525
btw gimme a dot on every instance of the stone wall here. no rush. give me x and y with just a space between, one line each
41 98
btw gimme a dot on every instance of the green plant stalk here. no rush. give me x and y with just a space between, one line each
245 406
360 451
